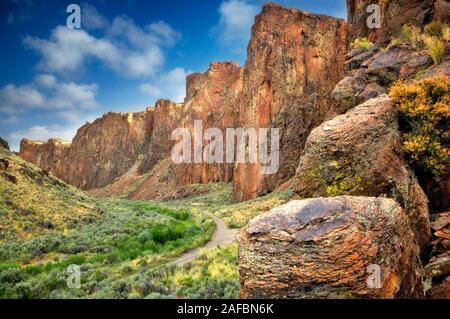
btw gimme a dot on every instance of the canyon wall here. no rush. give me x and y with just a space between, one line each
394 14
99 153
294 61
212 97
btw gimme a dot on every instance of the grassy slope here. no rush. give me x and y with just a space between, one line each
47 225
33 202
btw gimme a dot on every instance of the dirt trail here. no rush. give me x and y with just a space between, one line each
222 236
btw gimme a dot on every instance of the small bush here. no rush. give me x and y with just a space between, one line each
412 36
435 29
361 43
425 121
436 48
394 42
446 34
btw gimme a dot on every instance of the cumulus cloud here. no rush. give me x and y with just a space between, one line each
170 85
91 19
14 98
236 19
46 93
124 48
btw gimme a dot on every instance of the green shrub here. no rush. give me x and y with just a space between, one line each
361 43
436 48
425 121
412 35
435 29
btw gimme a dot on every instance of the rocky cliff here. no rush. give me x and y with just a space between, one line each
100 152
294 60
394 14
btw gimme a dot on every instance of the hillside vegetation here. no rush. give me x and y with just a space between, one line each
47 226
32 202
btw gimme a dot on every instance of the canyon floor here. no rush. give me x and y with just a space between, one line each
182 248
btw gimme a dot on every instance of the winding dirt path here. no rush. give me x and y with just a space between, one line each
222 236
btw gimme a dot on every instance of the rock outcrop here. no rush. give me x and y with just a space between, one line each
394 14
437 271
166 117
99 153
369 73
294 61
50 156
4 144
214 98
342 247
359 153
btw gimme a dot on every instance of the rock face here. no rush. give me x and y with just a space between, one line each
4 144
214 98
330 248
437 271
99 153
166 118
49 156
394 14
358 153
370 72
294 61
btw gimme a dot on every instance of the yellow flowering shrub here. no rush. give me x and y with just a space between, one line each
425 122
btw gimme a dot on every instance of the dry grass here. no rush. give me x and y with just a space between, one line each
436 48
33 202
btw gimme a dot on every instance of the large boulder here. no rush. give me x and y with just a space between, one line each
342 247
359 153
437 271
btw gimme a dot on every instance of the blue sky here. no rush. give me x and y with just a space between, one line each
126 55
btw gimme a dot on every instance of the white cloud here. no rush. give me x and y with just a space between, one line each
45 80
170 85
46 93
125 47
123 29
151 90
236 20
13 98
10 120
91 19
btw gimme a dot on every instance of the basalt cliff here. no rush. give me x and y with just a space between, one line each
360 201
294 61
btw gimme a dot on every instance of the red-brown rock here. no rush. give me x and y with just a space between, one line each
328 248
99 153
359 153
294 61
394 15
